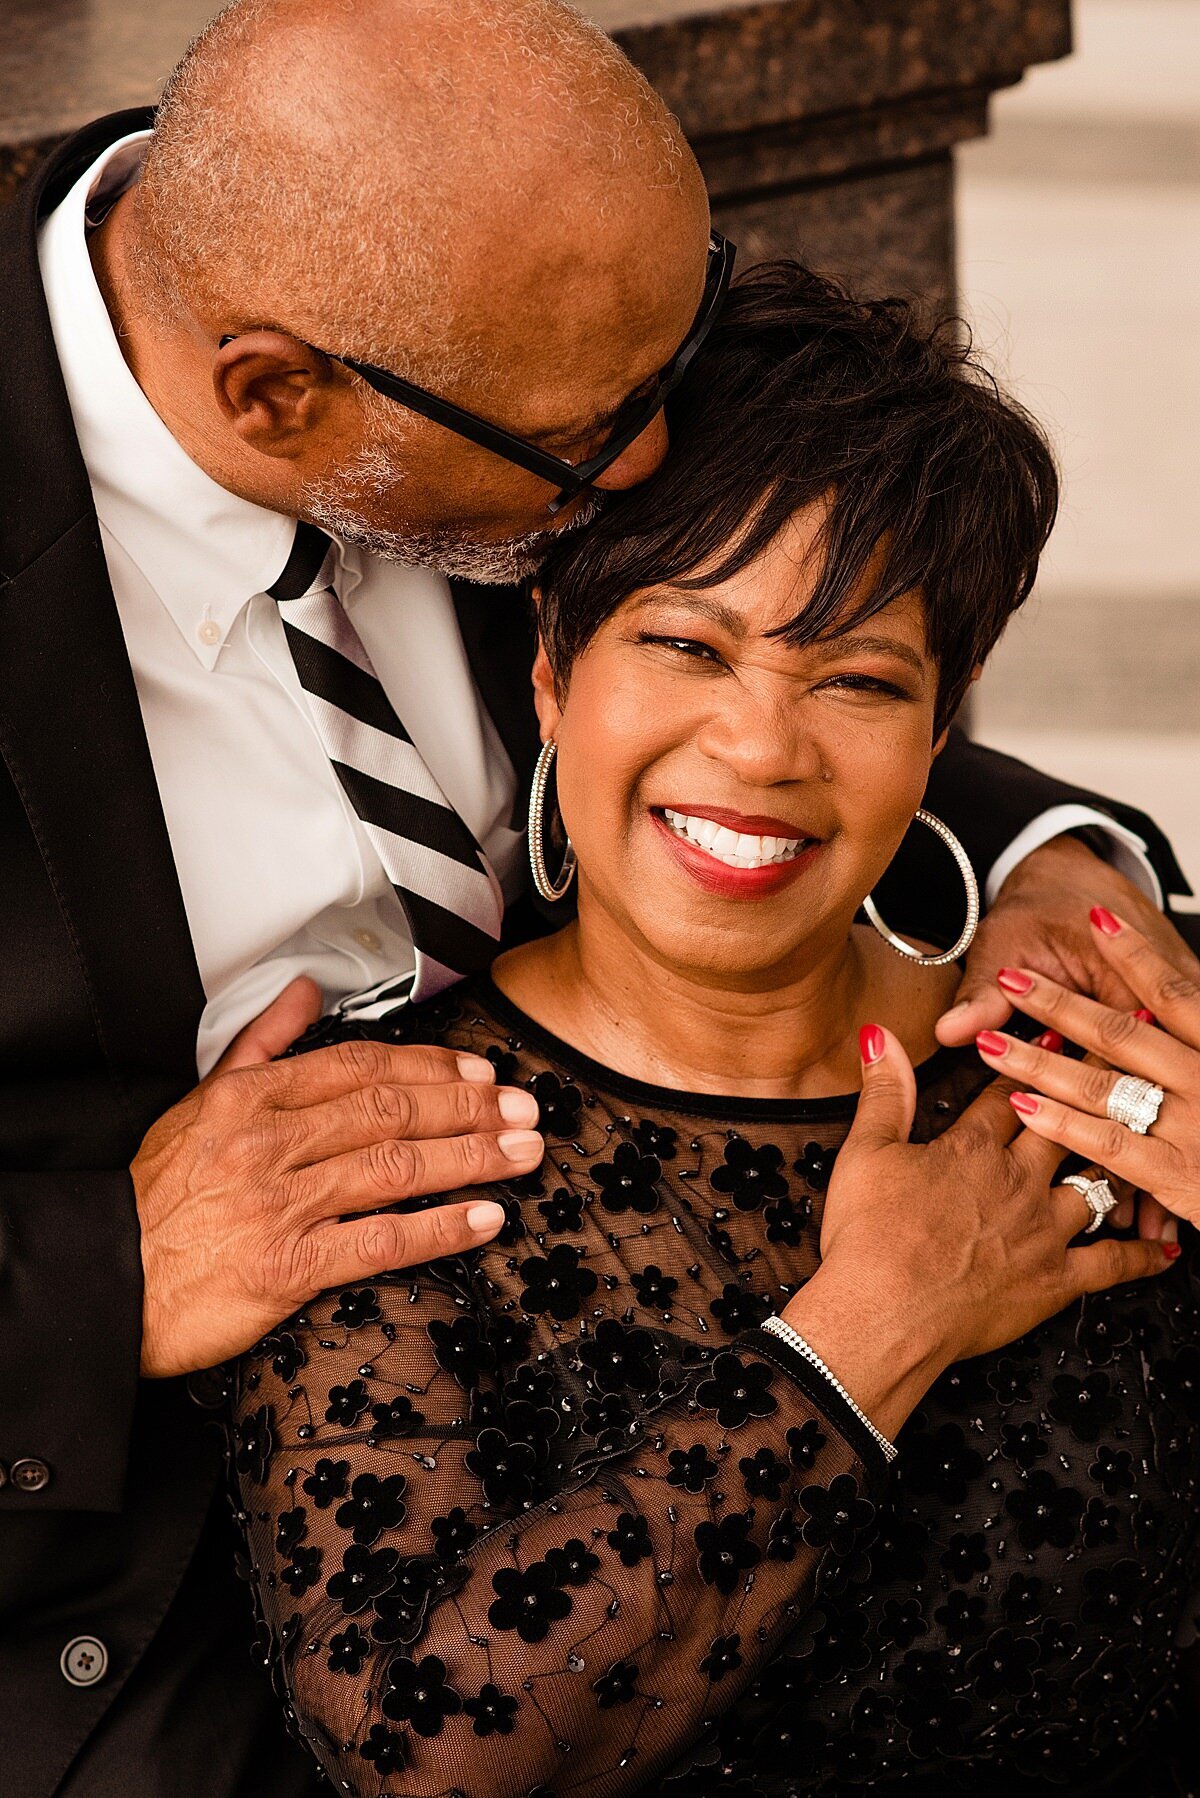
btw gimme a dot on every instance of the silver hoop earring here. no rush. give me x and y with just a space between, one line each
549 890
970 883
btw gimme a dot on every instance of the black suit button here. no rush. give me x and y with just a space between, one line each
83 1661
30 1475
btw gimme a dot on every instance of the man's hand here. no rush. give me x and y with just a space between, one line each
248 1191
1040 921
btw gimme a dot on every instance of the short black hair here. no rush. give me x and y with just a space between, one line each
801 392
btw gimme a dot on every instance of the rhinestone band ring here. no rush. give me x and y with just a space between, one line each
1135 1103
775 1326
1098 1195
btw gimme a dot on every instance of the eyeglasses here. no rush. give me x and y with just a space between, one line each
571 478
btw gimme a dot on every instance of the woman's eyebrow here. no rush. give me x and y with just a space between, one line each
863 643
702 604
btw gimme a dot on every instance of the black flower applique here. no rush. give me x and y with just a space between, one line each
784 1538
739 1309
514 1227
841 1647
510 1337
374 1505
961 1617
365 1576
1112 1470
655 1290
723 1657
492 1712
630 1538
815 1166
384 1749
347 1404
1148 1525
1003 1667
356 1307
532 1423
965 1556
559 1104
805 1441
898 1547
461 1348
400 1612
789 1745
1086 1406
737 1391
394 1418
763 1474
872 1710
504 1468
607 1417
928 1710
1112 1592
691 1468
1022 1600
348 1649
505 1064
902 1621
1101 1331
619 1358
528 1601
419 1694
255 1440
749 1176
1107 1681
629 1181
326 1482
1012 1381
291 1528
1056 1638
943 1464
1101 1524
287 1354
785 1223
563 1210
573 1564
721 1242
836 1514
725 1551
1178 1380
1045 1511
302 1571
963 1388
1023 1443
616 1686
557 1283
454 1535
656 1139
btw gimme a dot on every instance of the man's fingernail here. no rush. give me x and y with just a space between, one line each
1025 1103
516 1107
1104 921
1145 1017
955 1009
485 1219
475 1067
520 1145
1051 1041
871 1044
1013 981
1172 1250
991 1044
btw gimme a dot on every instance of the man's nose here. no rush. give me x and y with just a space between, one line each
639 461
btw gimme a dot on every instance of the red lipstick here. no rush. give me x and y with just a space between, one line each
718 877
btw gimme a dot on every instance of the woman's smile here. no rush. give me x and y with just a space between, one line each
731 855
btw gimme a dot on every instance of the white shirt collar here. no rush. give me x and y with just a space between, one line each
205 552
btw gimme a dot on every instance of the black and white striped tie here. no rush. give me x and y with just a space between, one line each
441 876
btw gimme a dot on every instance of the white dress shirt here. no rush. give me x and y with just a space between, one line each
277 874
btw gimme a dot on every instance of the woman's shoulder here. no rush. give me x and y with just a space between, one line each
460 1018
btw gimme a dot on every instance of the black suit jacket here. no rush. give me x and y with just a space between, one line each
100 998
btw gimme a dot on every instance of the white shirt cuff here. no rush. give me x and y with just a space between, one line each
1127 851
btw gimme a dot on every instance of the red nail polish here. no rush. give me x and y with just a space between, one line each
871 1043
1013 981
1051 1041
1145 1017
991 1044
1104 921
1025 1103
1172 1250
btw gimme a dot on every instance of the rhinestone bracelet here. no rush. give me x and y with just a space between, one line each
775 1326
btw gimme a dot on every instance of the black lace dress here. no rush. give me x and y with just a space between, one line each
556 1517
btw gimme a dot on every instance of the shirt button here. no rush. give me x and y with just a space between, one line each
366 939
84 1661
30 1475
209 632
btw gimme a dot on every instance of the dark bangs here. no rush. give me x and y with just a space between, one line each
803 394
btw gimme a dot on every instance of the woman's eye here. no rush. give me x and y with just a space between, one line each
866 683
684 646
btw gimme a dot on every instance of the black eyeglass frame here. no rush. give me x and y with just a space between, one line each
571 478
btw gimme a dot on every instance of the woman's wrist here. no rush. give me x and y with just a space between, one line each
885 1362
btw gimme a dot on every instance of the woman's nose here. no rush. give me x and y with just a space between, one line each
760 739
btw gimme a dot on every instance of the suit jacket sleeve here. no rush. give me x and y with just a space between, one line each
987 799
70 1336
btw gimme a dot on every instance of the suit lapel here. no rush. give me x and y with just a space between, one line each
71 730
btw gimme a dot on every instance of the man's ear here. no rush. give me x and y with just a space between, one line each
273 390
545 697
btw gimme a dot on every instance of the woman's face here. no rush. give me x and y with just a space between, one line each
732 799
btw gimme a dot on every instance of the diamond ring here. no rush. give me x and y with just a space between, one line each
1099 1197
1135 1103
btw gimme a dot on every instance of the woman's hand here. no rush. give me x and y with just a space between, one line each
1159 1042
933 1253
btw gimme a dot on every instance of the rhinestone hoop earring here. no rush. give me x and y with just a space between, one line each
548 889
970 883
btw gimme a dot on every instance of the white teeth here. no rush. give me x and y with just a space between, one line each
735 849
